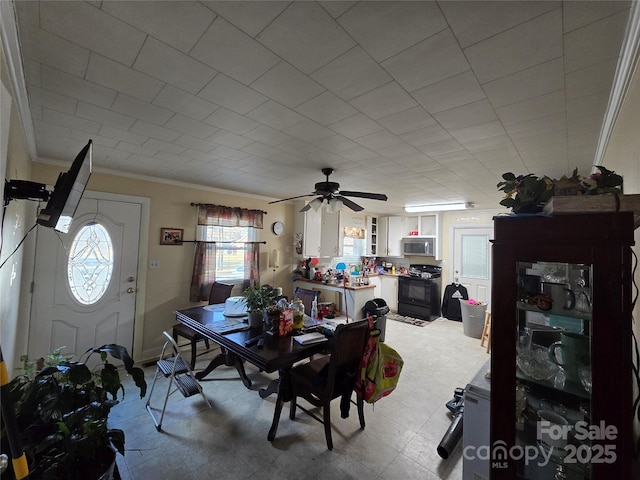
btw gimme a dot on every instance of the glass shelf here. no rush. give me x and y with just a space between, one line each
563 313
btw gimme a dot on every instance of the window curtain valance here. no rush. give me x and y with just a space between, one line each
218 215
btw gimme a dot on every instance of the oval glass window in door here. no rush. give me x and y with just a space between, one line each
90 263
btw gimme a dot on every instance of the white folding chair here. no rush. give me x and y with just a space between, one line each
179 374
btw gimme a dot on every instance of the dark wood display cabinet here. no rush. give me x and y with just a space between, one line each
561 365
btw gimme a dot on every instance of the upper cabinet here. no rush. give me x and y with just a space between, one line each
372 235
390 233
427 226
324 233
311 233
422 226
330 243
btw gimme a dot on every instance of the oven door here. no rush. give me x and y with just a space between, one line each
414 291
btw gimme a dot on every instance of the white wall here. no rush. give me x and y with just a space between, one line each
19 216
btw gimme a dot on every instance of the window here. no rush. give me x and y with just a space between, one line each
90 264
230 249
353 249
475 256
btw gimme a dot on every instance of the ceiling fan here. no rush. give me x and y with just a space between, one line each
330 191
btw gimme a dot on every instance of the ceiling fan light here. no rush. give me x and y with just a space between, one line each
334 205
438 208
316 203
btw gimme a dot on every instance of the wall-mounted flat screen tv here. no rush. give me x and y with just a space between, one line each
67 192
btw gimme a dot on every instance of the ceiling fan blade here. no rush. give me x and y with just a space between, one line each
352 205
290 198
372 196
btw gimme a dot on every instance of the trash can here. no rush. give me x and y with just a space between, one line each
473 317
377 309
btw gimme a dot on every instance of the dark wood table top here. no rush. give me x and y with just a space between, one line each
277 353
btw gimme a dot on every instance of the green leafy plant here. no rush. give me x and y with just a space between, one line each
61 409
528 193
258 298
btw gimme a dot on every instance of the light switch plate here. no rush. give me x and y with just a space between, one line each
154 263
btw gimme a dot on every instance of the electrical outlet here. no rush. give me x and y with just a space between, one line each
154 263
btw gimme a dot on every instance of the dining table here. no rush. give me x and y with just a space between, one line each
241 343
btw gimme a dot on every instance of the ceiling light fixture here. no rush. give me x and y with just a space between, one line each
438 208
316 203
334 205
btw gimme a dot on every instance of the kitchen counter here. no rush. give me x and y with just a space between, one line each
333 285
348 300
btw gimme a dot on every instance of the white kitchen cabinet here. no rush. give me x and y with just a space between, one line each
330 238
389 291
421 225
426 226
377 286
311 237
390 235
372 235
324 231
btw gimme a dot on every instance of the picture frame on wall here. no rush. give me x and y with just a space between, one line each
171 236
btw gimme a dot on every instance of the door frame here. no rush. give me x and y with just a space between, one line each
143 247
452 246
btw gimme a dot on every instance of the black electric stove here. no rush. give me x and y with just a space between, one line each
419 292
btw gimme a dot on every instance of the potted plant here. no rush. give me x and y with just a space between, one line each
258 298
529 194
61 410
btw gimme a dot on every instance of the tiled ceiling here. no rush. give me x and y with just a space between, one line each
427 102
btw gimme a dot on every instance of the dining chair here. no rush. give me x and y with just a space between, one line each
322 380
307 297
172 366
218 294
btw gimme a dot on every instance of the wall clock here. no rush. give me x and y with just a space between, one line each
277 228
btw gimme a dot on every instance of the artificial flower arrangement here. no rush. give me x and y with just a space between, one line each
528 193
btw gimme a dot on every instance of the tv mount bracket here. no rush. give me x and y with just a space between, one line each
25 190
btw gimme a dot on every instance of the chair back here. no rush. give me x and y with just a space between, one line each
307 297
219 292
347 350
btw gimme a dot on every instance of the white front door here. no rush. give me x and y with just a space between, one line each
472 260
84 292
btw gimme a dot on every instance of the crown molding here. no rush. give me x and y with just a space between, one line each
627 63
12 51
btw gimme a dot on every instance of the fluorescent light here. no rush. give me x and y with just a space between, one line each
438 208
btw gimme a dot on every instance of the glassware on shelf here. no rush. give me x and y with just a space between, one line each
535 363
584 374
521 405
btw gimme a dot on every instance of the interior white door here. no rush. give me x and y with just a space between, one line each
472 260
84 293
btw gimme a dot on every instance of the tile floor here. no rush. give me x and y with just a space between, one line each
229 440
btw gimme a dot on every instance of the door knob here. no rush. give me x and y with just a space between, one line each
131 290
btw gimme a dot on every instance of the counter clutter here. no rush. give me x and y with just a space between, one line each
348 300
353 275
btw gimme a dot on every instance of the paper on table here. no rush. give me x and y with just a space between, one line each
228 325
308 338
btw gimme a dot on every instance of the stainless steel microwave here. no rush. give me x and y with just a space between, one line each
418 246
